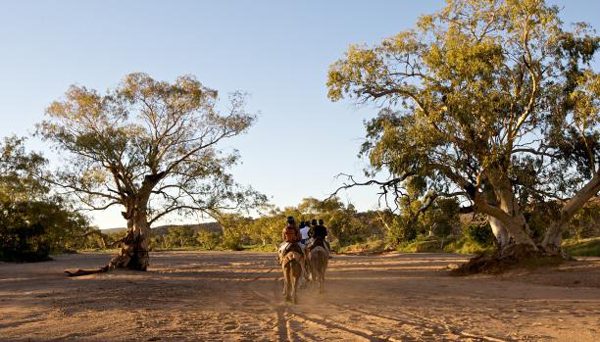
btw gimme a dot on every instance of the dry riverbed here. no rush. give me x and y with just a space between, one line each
204 296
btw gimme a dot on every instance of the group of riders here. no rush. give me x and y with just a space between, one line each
303 238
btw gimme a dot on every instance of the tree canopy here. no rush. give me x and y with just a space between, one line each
33 221
151 147
148 137
491 100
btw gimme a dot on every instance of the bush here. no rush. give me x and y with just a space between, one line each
31 230
24 244
480 234
422 244
335 246
584 247
468 246
232 240
207 239
401 232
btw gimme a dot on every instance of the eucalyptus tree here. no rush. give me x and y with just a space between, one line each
20 172
495 101
151 148
33 221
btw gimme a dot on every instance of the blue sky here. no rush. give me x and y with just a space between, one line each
277 51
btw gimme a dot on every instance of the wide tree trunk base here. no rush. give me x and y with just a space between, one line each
132 256
514 256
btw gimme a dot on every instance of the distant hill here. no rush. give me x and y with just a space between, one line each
162 230
113 230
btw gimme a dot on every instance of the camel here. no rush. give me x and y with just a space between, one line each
318 259
291 264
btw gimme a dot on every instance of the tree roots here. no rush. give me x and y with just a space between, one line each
515 256
132 256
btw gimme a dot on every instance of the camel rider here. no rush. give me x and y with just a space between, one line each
291 242
319 237
304 229
291 237
311 231
323 230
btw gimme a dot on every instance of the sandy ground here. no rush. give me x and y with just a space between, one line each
236 296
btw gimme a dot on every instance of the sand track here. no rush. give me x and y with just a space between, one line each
189 296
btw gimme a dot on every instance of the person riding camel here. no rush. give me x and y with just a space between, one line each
324 229
304 229
311 231
291 242
319 234
291 237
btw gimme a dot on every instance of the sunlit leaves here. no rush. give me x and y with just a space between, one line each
148 137
20 172
473 86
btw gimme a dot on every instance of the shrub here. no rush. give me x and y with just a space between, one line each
584 247
207 239
480 234
422 244
232 240
24 243
31 230
401 232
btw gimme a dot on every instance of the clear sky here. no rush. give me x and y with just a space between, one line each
277 51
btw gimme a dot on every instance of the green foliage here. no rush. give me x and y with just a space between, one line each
421 244
235 231
464 92
207 240
345 226
232 240
21 239
466 246
402 230
442 219
181 236
583 247
427 216
335 246
20 172
30 231
480 234
586 223
33 224
348 230
475 239
187 237
149 145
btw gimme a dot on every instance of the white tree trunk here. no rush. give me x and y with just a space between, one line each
517 227
500 232
504 213
553 237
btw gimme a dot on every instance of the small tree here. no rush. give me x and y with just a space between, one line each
207 239
33 223
180 236
151 148
443 218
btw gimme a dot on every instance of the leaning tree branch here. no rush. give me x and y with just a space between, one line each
385 186
80 189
